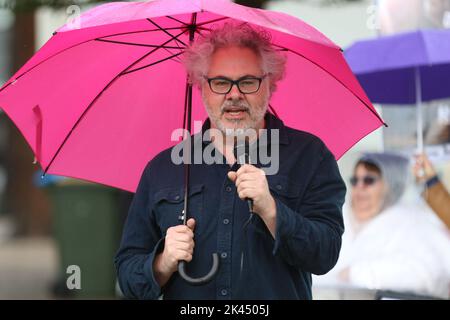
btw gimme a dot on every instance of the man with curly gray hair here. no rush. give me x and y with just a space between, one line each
294 226
204 60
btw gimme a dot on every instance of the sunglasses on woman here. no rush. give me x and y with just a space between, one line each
366 180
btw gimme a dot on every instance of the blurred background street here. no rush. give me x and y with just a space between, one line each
25 261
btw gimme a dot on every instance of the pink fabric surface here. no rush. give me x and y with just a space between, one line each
85 119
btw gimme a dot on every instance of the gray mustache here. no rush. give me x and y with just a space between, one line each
234 106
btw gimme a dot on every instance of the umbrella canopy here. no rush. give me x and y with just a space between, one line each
97 103
406 68
386 67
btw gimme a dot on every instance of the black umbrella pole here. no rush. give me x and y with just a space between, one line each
182 265
188 115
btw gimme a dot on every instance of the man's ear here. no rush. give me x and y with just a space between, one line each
199 84
271 87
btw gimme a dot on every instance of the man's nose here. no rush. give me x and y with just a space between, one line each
234 93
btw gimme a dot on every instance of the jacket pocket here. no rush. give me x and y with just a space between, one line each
285 189
169 205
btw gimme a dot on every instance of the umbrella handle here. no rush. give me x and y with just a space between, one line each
201 280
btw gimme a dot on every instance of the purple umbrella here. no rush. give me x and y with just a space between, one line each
405 68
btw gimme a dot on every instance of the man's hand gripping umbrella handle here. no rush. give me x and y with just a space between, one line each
182 264
202 280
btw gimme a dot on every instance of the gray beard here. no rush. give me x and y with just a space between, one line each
256 116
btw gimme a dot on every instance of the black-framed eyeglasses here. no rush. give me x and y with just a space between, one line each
246 85
366 180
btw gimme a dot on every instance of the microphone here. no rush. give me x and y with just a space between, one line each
242 155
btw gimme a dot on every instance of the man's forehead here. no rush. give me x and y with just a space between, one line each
235 61
235 51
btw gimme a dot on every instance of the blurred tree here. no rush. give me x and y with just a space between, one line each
252 3
262 3
29 204
31 5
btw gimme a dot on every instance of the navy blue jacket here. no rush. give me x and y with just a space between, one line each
309 194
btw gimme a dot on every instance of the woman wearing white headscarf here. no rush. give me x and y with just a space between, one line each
386 245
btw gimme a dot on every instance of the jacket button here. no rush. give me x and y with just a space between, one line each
279 187
226 221
228 188
224 292
223 255
177 197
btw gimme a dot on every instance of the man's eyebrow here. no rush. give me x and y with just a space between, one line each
220 76
244 76
249 75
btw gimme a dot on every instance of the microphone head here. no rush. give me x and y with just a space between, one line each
241 150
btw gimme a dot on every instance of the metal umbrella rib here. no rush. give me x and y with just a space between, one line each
100 93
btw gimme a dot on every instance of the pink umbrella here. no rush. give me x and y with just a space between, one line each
97 103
